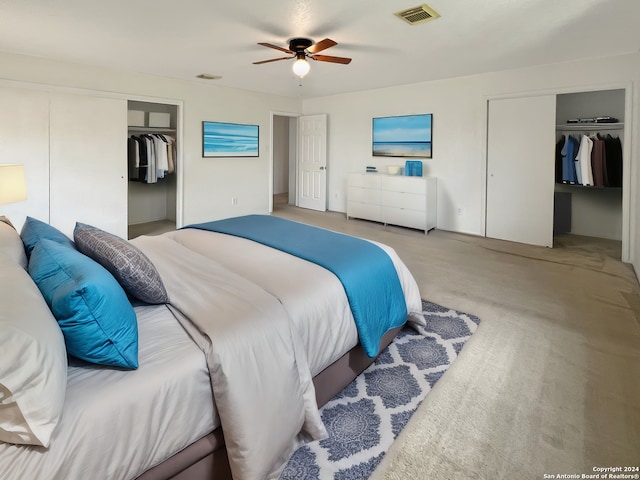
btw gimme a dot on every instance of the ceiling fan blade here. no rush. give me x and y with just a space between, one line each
270 45
272 60
328 58
321 45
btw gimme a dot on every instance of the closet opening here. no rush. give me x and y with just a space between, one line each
284 141
152 167
589 173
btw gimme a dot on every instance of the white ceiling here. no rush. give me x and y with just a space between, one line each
181 39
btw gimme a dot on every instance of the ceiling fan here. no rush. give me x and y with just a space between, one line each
303 48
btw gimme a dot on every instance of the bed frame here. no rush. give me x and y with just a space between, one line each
206 459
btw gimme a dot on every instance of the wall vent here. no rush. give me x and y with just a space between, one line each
420 14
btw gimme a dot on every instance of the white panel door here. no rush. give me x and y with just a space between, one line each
24 139
312 162
520 169
88 163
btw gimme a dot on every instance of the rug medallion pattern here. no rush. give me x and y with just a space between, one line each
365 418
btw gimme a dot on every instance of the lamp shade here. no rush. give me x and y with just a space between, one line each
12 184
301 67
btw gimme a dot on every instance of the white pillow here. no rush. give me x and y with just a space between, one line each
33 369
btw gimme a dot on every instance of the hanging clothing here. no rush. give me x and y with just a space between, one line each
559 147
583 158
151 176
598 161
150 157
137 158
171 153
162 164
568 160
613 153
133 158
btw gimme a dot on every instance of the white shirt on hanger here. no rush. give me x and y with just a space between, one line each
584 160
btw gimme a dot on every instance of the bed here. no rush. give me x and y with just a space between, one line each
283 342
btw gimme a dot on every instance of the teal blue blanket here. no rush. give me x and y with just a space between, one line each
367 273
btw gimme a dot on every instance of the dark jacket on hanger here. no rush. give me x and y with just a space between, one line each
613 153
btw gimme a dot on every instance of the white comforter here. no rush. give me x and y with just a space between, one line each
267 322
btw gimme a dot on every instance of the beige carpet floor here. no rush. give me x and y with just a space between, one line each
550 381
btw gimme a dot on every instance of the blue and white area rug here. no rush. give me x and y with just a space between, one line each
364 419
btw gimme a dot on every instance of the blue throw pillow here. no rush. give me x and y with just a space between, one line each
34 230
94 314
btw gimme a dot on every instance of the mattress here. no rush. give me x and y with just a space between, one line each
116 424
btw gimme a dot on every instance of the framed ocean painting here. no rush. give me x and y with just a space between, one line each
403 136
229 140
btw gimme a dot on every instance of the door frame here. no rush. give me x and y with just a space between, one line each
628 169
275 113
179 150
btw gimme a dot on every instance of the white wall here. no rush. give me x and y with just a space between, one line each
459 128
209 183
25 115
148 202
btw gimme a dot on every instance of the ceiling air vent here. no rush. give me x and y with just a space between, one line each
420 14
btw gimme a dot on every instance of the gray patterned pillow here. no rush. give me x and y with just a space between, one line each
133 270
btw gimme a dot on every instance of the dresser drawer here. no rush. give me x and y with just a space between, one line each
366 180
363 195
366 211
404 217
416 185
411 201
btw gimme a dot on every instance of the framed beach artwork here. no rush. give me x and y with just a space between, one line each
221 139
403 136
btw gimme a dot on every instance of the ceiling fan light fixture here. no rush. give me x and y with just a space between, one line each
303 49
301 67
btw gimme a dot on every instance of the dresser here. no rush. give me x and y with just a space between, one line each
393 199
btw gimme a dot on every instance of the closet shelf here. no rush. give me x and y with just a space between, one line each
582 127
589 187
152 129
